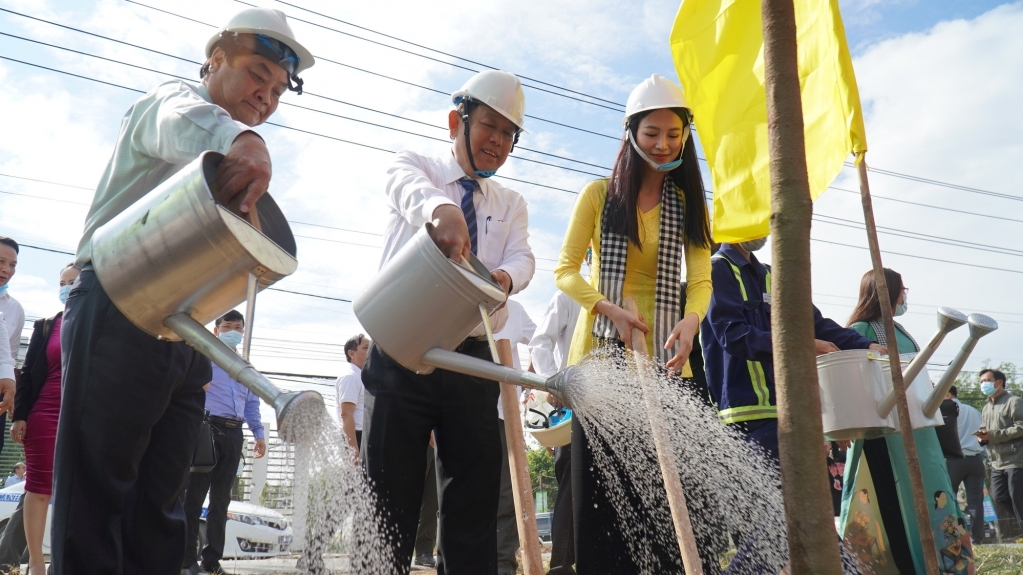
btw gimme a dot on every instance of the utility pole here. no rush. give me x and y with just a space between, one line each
813 542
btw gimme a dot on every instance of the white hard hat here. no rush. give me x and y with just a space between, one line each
538 417
500 90
654 93
267 22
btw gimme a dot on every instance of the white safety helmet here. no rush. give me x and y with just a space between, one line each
274 40
500 90
654 93
549 426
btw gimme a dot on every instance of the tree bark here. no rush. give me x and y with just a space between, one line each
812 540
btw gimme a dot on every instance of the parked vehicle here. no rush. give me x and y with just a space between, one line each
252 531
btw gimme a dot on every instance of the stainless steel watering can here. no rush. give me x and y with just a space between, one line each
422 305
177 259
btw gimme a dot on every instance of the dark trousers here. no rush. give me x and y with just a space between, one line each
13 545
1007 489
507 527
970 470
562 536
130 416
402 408
426 535
227 443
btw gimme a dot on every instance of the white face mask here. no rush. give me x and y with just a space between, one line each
903 307
753 245
231 338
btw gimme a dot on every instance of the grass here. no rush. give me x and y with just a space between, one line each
999 559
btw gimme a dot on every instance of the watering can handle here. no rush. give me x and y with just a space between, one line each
638 337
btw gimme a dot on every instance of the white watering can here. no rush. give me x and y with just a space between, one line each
177 259
422 305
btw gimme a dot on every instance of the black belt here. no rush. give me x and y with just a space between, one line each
473 343
225 422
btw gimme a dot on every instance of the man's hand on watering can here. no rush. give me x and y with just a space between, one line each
449 232
7 388
245 170
502 277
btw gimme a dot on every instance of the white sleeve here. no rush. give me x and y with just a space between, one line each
348 390
6 361
176 124
518 260
17 319
545 336
410 190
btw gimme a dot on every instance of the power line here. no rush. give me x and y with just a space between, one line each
325 59
919 236
43 198
617 108
921 257
932 206
349 118
939 183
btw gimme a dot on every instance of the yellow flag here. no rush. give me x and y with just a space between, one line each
718 47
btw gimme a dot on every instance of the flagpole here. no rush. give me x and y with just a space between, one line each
812 540
916 480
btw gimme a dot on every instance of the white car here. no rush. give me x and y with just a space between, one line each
252 531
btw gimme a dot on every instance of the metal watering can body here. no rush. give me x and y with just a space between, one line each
177 259
422 305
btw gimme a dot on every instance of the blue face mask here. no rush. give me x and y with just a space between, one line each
3 290
64 291
987 388
901 308
231 338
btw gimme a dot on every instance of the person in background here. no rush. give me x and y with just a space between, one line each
970 469
12 545
885 457
1002 434
10 308
518 330
17 474
132 404
230 405
642 222
548 351
37 409
350 392
464 212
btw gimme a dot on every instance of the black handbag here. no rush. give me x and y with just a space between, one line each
204 458
948 434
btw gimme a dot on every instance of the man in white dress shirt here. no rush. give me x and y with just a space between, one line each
12 313
132 404
548 350
350 391
465 212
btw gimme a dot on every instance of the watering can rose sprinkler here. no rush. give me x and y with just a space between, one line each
423 305
177 259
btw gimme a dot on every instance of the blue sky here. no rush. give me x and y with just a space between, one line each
939 101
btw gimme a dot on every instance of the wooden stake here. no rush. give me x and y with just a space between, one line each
916 479
522 487
812 540
665 456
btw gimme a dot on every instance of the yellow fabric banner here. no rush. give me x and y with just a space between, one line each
718 47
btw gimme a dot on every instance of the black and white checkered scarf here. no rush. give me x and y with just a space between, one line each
882 338
614 249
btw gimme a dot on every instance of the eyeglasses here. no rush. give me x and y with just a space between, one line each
279 52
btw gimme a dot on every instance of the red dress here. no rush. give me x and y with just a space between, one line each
41 426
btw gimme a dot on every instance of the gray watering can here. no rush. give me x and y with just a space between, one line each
422 305
177 259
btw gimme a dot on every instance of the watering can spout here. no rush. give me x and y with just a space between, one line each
557 384
299 413
476 367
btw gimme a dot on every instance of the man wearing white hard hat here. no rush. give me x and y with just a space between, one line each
133 404
465 211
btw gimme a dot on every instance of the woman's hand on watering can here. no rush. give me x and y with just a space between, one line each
449 232
245 170
625 321
683 333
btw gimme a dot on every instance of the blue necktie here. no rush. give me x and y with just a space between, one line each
469 210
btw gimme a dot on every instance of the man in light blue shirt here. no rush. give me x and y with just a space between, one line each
229 404
969 469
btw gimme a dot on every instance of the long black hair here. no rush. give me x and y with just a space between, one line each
627 175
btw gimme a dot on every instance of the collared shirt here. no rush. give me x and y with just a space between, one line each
14 317
1003 418
6 361
417 185
518 330
160 134
553 338
968 422
736 337
231 400
349 389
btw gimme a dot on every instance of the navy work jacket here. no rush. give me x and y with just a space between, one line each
736 337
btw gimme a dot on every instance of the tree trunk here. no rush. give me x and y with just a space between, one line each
813 543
